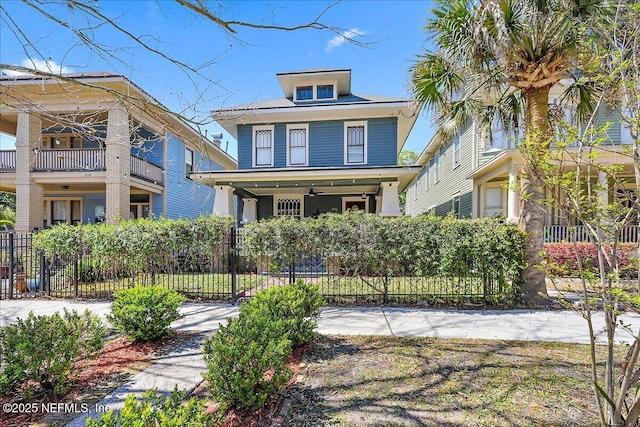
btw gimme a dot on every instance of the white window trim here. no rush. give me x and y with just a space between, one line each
304 126
335 91
483 198
427 172
188 152
314 90
453 203
280 196
355 199
459 151
347 125
437 166
253 144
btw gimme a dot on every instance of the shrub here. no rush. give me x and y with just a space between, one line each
41 349
296 306
560 258
246 361
156 410
144 313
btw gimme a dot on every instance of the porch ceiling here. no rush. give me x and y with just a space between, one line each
300 181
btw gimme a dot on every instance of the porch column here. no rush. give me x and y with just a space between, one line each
249 210
378 204
512 197
118 165
603 183
29 196
390 204
223 203
475 194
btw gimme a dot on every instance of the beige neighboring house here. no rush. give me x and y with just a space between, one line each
93 147
473 176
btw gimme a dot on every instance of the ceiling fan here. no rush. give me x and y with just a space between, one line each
313 192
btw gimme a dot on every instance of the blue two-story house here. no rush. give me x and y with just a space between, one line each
318 149
95 147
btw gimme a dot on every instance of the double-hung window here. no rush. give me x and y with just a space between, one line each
455 205
456 152
427 179
355 143
262 146
188 162
297 145
436 174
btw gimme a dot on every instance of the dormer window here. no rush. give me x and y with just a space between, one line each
315 92
325 92
304 93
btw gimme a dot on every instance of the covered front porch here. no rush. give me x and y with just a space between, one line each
307 192
495 189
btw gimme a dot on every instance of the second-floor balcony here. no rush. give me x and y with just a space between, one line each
80 159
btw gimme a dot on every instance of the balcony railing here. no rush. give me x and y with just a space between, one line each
7 160
148 171
580 233
73 159
80 159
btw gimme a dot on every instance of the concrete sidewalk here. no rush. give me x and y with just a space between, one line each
184 365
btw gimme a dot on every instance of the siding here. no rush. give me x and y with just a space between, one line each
452 181
151 149
89 203
326 143
185 198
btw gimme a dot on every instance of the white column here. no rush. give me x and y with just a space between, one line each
378 204
249 210
390 204
603 194
223 203
512 197
474 201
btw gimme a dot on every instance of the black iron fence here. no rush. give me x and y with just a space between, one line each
231 275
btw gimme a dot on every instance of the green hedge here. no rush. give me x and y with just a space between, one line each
137 246
404 246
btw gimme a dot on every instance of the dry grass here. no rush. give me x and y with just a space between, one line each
386 381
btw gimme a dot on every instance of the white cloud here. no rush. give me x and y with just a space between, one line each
40 65
338 40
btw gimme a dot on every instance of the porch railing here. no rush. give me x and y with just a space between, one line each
7 160
73 159
143 169
580 233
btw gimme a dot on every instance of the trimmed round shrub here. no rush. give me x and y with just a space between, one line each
144 313
41 350
296 308
246 361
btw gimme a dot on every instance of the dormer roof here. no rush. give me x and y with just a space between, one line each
289 81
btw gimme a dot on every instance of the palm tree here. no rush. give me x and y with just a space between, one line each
497 60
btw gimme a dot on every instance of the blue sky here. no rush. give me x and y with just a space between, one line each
236 69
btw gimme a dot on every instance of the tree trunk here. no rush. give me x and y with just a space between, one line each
532 208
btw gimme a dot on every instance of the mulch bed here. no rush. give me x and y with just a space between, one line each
270 413
91 379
